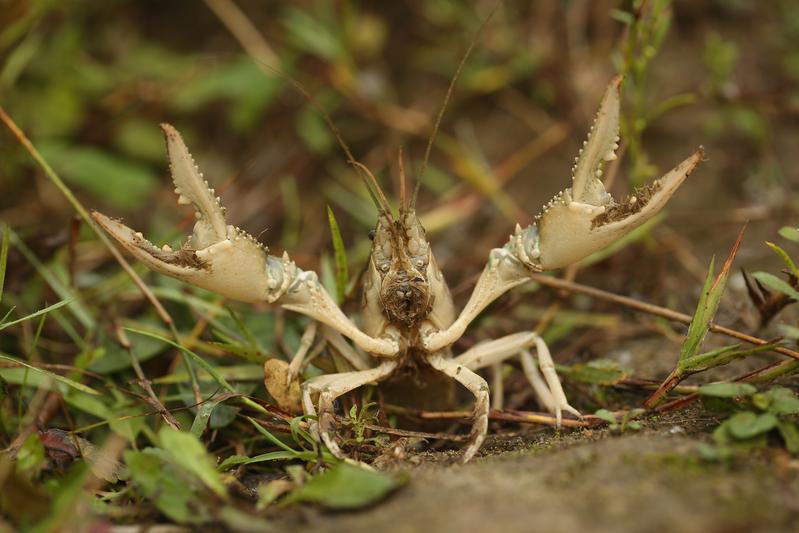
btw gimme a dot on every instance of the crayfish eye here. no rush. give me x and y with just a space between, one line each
371 234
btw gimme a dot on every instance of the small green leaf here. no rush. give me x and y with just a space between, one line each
782 401
204 413
187 452
705 310
747 424
773 282
30 457
346 487
340 254
792 234
606 415
790 434
162 484
720 356
598 372
761 401
727 390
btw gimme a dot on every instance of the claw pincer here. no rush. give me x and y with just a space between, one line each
584 218
228 261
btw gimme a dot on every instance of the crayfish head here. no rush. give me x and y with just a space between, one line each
401 256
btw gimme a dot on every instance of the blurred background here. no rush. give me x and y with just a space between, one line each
90 82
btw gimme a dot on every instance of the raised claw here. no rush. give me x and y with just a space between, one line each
227 260
584 218
217 256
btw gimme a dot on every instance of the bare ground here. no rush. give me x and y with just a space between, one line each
651 480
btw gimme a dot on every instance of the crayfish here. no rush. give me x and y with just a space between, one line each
408 318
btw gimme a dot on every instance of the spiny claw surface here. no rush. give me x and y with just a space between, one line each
217 256
584 218
228 261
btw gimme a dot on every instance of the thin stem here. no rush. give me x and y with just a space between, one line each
512 416
244 31
653 309
143 381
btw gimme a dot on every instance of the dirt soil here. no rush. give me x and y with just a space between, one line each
650 480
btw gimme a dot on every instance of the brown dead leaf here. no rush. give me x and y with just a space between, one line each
286 395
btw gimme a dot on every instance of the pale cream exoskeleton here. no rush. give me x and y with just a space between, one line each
408 317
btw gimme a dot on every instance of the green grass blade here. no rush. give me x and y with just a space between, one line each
271 438
342 272
40 312
709 302
213 372
62 290
215 375
4 258
785 258
61 379
773 282
238 460
701 319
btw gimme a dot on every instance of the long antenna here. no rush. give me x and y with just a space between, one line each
319 109
401 158
446 101
375 192
373 186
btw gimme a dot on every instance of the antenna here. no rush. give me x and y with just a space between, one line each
373 186
446 101
403 203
